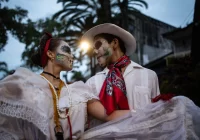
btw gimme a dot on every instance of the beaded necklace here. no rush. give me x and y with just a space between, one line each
57 114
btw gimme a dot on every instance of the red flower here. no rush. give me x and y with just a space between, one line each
164 97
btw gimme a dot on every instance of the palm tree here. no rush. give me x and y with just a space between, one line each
123 16
81 9
102 10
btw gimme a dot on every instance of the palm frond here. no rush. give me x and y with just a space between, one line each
141 2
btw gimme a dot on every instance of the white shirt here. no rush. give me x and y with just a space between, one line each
141 84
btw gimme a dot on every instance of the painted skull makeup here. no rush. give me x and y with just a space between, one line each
64 56
103 51
97 44
66 49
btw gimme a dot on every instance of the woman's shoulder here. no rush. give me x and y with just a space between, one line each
23 83
20 73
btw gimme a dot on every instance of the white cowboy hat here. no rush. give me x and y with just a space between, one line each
126 37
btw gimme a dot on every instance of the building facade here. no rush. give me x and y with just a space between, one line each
151 45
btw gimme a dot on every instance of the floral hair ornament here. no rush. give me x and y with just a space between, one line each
44 54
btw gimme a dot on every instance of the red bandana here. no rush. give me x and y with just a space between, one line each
113 92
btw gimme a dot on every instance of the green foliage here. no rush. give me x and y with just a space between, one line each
4 69
12 23
181 78
78 76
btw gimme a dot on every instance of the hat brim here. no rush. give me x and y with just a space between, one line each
125 36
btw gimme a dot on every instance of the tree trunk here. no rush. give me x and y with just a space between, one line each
195 46
124 14
104 13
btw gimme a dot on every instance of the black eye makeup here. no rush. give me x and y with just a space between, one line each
66 49
97 45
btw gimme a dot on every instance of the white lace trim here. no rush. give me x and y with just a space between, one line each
25 112
176 116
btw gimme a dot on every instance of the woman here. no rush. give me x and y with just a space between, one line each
42 106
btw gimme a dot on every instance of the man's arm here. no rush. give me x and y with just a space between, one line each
116 114
97 110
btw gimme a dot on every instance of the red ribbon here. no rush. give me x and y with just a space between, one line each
44 54
70 125
164 97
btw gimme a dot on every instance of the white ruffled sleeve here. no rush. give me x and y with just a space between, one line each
20 117
91 84
79 92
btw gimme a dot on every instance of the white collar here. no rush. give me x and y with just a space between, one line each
130 67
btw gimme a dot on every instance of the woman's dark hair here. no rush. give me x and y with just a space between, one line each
54 43
110 37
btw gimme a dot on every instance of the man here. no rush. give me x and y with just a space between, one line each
123 84
125 90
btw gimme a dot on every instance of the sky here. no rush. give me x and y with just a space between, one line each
177 13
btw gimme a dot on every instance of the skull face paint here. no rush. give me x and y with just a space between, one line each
103 51
66 49
64 56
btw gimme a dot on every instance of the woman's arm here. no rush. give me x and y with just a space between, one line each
97 110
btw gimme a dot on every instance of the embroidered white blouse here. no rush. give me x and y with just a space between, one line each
26 107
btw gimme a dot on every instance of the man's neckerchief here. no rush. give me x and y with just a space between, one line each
113 92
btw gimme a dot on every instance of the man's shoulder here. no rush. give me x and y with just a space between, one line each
151 74
149 70
136 65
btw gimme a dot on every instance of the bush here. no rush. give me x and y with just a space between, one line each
181 78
